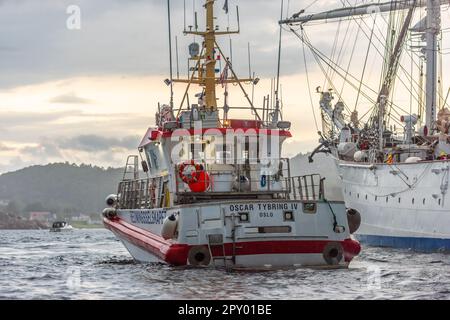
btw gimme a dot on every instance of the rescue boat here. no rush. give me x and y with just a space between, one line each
207 190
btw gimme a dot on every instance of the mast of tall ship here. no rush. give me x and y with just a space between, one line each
431 28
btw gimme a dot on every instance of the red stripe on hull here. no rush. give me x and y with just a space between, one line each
176 254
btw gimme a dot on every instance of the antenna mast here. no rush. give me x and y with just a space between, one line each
170 55
432 31
277 98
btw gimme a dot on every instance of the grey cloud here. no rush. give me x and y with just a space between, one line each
96 143
124 37
70 98
9 120
49 148
43 150
4 147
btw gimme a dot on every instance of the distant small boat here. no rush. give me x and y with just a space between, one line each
59 226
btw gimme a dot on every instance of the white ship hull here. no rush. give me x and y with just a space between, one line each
266 240
402 205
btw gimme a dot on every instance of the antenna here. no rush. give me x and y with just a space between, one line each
249 62
277 98
231 51
184 15
170 55
195 21
178 63
253 87
238 20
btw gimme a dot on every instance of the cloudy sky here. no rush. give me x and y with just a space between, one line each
88 95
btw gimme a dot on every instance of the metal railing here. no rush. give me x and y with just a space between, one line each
154 192
308 188
142 193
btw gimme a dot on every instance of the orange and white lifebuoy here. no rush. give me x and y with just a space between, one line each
193 175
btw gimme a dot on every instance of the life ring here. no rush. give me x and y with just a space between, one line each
333 253
193 176
199 256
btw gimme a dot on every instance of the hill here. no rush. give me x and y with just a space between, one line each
12 222
61 188
67 189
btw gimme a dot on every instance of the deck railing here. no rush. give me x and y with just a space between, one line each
156 193
308 188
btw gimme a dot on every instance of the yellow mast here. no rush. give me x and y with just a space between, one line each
210 61
206 62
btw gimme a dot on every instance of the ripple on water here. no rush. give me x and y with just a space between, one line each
92 264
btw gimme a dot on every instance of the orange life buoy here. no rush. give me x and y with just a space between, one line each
193 175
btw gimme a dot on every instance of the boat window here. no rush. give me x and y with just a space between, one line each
387 199
376 198
412 200
366 196
358 195
439 201
155 157
223 153
399 199
423 200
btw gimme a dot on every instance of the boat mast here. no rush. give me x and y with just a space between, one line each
210 65
277 95
432 32
204 73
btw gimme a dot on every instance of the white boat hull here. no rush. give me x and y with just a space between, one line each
402 205
267 240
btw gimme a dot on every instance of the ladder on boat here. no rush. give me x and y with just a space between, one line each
217 241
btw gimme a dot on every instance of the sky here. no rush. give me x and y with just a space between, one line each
87 95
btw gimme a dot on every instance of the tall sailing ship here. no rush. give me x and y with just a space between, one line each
216 191
394 159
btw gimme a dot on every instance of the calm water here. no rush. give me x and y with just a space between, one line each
92 264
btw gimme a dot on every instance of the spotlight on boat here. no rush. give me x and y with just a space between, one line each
167 82
256 81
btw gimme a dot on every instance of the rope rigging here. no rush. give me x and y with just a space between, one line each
393 43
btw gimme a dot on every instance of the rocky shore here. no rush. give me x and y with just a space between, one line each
12 222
